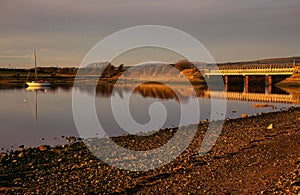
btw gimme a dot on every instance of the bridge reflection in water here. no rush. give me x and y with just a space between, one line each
184 92
260 97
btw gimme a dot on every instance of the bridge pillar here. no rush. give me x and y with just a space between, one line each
269 89
246 83
226 82
269 80
226 79
246 80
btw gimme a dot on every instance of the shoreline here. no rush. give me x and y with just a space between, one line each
248 157
71 138
69 80
59 76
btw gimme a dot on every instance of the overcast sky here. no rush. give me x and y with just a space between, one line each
63 31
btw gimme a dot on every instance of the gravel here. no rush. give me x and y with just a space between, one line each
248 158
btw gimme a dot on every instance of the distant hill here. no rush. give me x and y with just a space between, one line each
169 71
183 64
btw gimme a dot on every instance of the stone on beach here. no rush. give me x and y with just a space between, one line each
71 139
3 154
44 147
244 115
270 126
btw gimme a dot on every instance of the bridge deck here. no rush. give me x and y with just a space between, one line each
256 69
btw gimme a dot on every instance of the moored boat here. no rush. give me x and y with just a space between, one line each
37 83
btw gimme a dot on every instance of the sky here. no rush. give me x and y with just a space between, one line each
63 31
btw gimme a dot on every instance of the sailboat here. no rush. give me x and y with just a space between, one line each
37 83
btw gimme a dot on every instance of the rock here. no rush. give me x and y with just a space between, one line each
17 180
3 155
71 139
270 126
43 147
21 146
295 183
244 115
21 155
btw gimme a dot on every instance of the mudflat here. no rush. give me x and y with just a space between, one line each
259 154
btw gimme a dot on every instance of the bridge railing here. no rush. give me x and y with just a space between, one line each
257 66
259 70
254 69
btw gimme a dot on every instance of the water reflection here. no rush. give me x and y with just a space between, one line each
162 91
37 90
165 92
55 118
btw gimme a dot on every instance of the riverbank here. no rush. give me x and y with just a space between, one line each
63 76
291 82
250 156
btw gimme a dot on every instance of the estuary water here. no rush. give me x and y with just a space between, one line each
32 117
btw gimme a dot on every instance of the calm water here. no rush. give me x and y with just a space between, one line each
33 117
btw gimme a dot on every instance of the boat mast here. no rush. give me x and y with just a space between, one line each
36 106
34 58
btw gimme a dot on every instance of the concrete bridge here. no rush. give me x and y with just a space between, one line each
262 73
253 69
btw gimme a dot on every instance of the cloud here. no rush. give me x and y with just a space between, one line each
14 56
73 26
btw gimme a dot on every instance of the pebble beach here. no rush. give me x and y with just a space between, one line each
253 155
